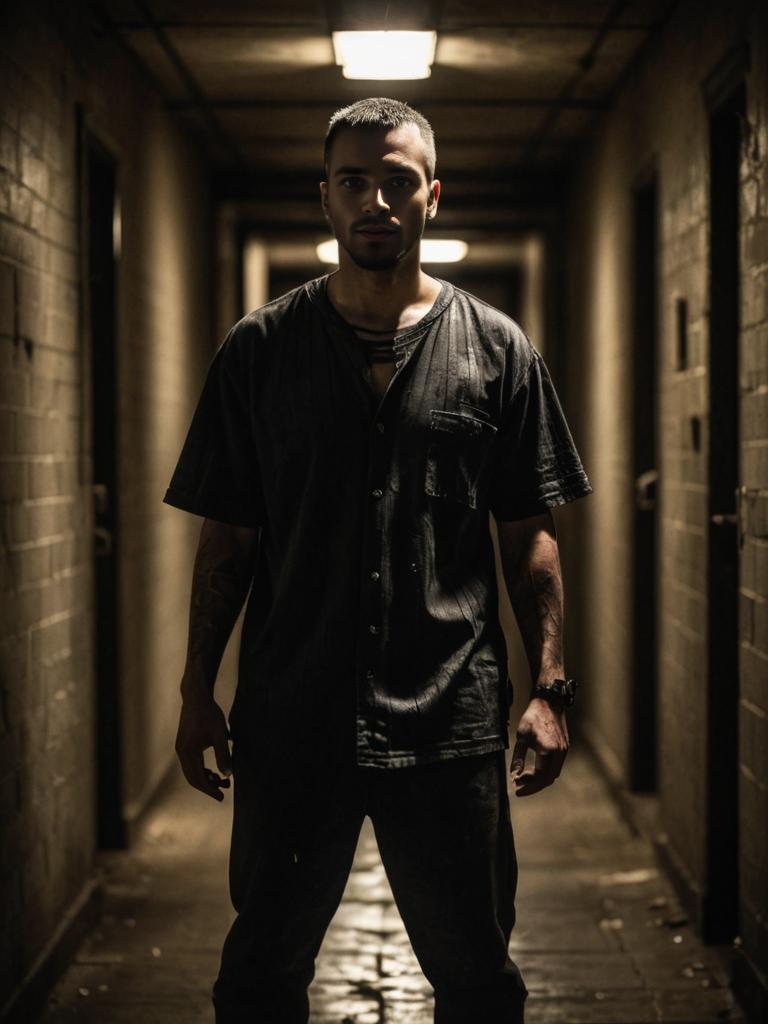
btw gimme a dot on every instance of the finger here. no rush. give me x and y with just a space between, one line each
559 760
196 774
546 765
222 754
554 764
217 779
528 783
207 782
531 782
518 757
538 779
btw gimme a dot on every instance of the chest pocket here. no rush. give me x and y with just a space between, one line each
457 452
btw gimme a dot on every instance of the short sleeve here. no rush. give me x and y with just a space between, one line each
217 475
537 466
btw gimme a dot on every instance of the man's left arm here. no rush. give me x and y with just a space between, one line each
531 564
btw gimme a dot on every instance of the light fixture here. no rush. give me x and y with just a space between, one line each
433 250
385 56
443 250
328 252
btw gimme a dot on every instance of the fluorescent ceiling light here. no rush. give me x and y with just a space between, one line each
328 252
385 56
433 250
443 250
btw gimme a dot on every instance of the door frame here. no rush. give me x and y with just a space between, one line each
99 466
725 101
643 722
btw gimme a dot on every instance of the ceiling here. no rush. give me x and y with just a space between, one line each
515 87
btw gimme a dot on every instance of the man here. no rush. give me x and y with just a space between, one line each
350 441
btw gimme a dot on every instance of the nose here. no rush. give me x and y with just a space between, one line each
375 201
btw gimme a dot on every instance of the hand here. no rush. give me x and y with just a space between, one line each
542 728
202 725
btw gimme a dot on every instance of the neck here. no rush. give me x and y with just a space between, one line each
381 297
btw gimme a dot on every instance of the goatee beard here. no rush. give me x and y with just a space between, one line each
372 262
383 263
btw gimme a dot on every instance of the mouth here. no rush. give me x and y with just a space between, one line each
375 233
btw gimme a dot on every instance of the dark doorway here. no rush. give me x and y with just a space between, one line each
720 913
100 241
645 461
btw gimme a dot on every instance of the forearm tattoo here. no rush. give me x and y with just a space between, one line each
221 578
535 588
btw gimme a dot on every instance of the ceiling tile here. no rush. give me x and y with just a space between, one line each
228 12
548 14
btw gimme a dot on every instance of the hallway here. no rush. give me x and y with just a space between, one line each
600 940
603 183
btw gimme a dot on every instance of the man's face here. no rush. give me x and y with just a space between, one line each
377 197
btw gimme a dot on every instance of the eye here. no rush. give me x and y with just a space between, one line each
352 183
401 181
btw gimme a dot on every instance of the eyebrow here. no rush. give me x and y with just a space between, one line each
391 168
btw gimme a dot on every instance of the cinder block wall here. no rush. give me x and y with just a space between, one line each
53 56
753 618
659 115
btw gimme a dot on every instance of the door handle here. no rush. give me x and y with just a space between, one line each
645 489
737 518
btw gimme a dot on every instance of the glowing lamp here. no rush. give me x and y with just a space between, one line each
433 250
385 56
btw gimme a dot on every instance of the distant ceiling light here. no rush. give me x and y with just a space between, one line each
433 250
385 56
328 252
443 250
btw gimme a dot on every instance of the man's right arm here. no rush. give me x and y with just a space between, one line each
222 577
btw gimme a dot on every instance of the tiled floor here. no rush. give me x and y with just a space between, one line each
600 938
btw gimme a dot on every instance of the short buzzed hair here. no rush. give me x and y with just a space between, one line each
381 113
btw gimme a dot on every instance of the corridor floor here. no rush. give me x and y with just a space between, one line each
600 938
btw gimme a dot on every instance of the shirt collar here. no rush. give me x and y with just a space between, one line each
317 291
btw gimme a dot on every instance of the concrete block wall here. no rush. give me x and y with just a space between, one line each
753 669
166 323
659 119
52 57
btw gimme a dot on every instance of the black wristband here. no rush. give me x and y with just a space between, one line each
559 692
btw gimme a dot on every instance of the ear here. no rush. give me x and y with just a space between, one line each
434 197
324 199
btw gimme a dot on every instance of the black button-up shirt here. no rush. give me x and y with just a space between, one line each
372 623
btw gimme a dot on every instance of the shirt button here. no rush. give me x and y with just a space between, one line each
375 576
374 630
380 427
377 493
413 567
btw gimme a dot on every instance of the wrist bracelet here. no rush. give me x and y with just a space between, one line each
560 692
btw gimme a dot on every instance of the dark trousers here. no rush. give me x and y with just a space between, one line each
445 839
